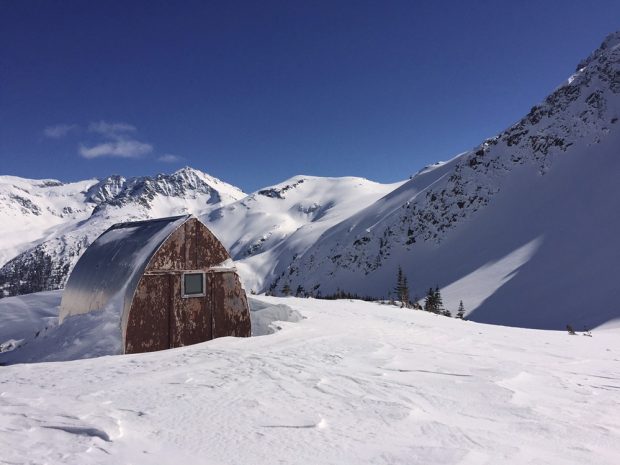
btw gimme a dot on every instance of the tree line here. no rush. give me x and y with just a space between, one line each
433 302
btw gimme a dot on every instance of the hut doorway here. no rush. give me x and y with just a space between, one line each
179 309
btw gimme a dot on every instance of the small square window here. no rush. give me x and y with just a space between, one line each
193 284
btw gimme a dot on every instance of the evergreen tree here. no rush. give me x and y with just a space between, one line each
300 292
398 290
401 290
460 313
438 302
429 300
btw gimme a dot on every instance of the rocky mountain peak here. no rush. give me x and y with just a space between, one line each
610 44
186 183
445 207
106 189
43 263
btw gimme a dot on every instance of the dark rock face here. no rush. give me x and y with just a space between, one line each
278 193
37 270
26 205
116 191
106 190
576 112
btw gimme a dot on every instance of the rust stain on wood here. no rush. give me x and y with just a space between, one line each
148 324
161 318
231 316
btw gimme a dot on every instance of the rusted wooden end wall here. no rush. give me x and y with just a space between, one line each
230 297
160 317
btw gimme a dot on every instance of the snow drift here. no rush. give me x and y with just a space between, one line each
352 383
30 331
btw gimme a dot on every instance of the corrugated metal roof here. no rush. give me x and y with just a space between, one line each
106 275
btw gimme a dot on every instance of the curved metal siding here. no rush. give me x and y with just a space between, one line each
107 274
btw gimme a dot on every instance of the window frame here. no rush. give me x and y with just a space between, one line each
204 284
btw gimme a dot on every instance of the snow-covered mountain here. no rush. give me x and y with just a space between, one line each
52 223
523 228
271 227
33 210
263 230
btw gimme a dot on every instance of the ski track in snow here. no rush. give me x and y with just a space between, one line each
353 382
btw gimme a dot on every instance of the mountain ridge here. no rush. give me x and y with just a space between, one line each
472 225
574 121
44 258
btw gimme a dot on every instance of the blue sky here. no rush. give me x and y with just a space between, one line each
256 92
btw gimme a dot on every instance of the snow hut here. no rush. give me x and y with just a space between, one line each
161 283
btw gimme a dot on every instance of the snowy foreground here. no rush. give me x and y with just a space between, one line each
351 383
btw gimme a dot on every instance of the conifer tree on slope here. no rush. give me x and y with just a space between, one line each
402 288
434 302
398 290
439 308
460 313
429 300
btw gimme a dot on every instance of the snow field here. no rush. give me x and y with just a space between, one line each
352 382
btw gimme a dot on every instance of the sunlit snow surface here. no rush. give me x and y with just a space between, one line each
351 383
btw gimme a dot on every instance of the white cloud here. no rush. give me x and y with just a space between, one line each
59 131
169 158
115 140
113 130
127 148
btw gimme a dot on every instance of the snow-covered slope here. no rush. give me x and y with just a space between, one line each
352 383
269 228
262 230
523 228
89 208
33 210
